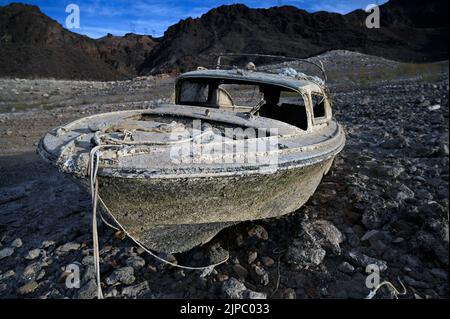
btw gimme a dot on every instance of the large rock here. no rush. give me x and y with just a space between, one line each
66 248
234 289
88 291
326 234
124 275
316 238
363 260
135 290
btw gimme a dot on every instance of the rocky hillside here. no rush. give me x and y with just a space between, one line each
410 31
125 53
33 45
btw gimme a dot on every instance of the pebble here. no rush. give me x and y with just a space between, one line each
216 254
404 193
369 235
7 274
259 232
289 293
365 101
388 171
240 271
440 273
17 243
252 257
135 290
434 107
33 254
233 288
136 262
325 234
88 260
240 240
375 217
305 253
415 283
260 275
124 275
168 257
28 288
63 249
363 260
6 252
88 290
89 273
111 293
47 243
346 268
32 270
267 261
222 277
250 294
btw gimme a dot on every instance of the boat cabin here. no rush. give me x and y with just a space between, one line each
299 102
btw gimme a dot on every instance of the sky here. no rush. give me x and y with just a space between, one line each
118 17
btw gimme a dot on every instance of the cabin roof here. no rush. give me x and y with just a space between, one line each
254 77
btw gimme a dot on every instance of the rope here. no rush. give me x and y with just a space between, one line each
373 293
94 159
154 255
280 253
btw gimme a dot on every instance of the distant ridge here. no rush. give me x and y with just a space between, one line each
34 45
411 30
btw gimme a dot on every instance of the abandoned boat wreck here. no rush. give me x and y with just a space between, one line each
236 145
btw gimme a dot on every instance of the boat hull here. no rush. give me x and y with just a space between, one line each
176 214
174 205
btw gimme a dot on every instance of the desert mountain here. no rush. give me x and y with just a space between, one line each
411 30
34 45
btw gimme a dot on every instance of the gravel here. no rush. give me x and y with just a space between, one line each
384 202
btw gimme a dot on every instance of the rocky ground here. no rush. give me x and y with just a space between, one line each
384 202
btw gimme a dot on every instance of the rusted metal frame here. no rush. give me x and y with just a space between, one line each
318 65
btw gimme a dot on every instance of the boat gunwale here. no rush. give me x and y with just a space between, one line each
338 139
172 109
233 171
255 77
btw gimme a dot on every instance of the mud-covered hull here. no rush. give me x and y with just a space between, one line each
171 203
174 215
